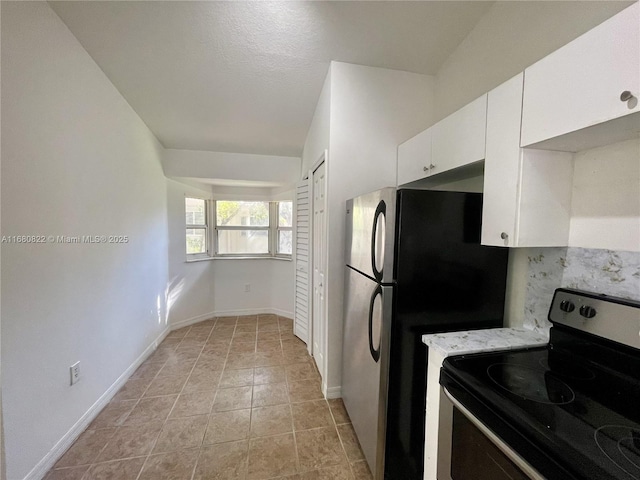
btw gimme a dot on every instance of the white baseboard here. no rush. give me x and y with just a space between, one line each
229 313
192 320
332 392
49 460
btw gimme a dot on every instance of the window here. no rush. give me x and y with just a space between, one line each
285 228
239 228
196 222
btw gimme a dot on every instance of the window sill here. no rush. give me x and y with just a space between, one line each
206 259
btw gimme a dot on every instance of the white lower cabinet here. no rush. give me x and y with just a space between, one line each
527 192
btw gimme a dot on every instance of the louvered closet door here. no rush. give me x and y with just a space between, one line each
302 310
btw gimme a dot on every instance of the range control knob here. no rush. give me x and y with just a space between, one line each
587 312
567 306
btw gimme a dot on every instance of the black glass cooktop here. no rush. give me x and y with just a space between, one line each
571 409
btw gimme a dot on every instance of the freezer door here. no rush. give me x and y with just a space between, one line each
365 363
370 234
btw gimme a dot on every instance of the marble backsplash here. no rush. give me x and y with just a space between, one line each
602 271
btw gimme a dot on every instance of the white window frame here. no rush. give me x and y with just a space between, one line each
212 229
207 233
277 228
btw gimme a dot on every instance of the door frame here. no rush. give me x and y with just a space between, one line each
312 333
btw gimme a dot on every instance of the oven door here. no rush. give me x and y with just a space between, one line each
468 450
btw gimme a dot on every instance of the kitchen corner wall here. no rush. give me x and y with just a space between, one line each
615 273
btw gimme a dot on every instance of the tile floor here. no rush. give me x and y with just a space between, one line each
227 398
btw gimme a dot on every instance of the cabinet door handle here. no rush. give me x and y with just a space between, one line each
626 96
425 169
504 235
432 166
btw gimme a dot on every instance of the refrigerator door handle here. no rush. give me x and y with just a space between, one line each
380 210
375 351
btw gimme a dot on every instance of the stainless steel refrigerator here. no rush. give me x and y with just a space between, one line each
414 266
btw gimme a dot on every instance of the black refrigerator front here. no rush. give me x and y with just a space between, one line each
444 281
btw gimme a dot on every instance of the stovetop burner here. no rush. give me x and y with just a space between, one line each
621 445
531 383
572 408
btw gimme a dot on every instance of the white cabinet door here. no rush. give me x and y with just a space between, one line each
580 84
527 193
459 139
414 158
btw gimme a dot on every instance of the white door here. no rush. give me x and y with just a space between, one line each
302 315
319 260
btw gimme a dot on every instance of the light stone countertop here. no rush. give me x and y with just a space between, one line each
443 345
459 343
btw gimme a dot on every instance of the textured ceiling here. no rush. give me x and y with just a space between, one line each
245 76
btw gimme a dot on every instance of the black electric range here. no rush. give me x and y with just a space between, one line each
570 409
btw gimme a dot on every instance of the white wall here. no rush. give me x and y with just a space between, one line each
265 170
76 160
372 111
605 204
507 39
317 140
271 287
190 290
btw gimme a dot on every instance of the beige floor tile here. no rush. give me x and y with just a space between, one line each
179 333
313 414
227 321
182 368
350 442
146 371
209 363
237 378
181 433
247 319
116 470
243 336
269 359
250 327
225 461
271 420
202 382
270 394
302 371
170 466
153 409
169 385
133 389
228 426
114 414
272 457
361 470
189 404
337 472
132 441
235 398
305 390
73 473
269 346
263 375
240 360
319 448
268 336
285 323
287 335
86 448
242 347
267 326
338 410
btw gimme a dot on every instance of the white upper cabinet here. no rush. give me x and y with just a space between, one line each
414 158
459 139
527 192
587 84
456 141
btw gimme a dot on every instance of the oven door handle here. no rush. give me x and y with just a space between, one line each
497 441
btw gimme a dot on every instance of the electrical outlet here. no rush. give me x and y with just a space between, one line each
75 373
247 287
